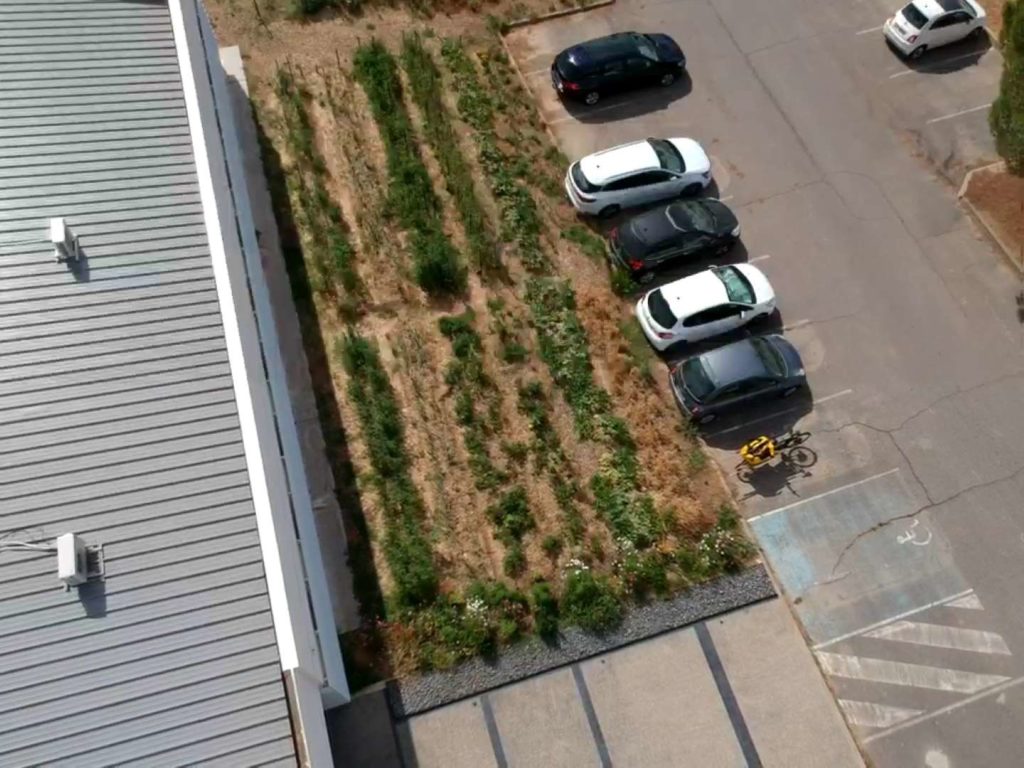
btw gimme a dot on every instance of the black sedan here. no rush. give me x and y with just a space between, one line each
663 237
620 62
731 377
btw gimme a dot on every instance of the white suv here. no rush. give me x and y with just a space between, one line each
924 24
636 174
706 304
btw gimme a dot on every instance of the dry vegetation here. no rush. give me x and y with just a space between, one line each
518 461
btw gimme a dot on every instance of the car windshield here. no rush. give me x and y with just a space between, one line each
914 16
769 356
693 216
696 379
737 288
660 310
668 155
645 48
580 180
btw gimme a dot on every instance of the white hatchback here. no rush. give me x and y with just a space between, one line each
706 304
925 24
636 174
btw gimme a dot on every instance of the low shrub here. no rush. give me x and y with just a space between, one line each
514 562
592 245
591 602
646 573
545 610
552 545
511 515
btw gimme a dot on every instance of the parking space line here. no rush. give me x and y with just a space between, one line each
833 396
942 636
905 674
762 257
869 31
775 415
944 710
934 65
726 199
590 111
796 324
823 495
492 732
592 721
958 114
897 617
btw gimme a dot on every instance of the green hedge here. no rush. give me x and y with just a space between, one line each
1007 115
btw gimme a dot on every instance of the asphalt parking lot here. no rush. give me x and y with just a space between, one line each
900 547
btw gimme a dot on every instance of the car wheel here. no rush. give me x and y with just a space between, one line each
608 211
723 249
707 418
789 391
592 98
918 52
667 79
692 189
977 33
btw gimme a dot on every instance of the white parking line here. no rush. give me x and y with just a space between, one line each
821 496
775 415
726 199
796 324
945 710
825 399
935 66
590 111
950 600
762 257
969 602
869 31
957 114
869 715
906 674
942 636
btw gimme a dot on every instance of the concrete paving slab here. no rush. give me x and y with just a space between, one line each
452 737
788 709
658 705
541 721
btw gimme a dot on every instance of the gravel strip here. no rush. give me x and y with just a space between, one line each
533 656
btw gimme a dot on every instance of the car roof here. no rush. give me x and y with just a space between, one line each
623 160
654 229
734 362
933 8
600 49
694 293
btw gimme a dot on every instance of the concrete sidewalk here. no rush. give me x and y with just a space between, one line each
740 689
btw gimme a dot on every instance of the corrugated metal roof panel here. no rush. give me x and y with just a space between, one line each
118 416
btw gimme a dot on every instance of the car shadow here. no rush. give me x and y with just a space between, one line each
623 106
770 417
738 254
952 57
760 327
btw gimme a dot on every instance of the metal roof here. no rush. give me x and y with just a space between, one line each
118 417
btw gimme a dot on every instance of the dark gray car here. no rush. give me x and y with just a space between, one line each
733 376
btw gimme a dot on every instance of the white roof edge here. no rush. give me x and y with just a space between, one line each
293 577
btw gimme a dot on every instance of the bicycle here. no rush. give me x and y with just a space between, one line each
789 449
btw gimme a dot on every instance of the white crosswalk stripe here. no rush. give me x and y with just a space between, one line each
971 602
867 714
941 636
902 673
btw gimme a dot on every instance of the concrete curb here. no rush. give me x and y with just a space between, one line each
554 15
533 656
985 220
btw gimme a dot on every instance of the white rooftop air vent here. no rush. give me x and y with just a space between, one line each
72 567
65 242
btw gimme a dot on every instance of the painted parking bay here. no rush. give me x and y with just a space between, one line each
857 555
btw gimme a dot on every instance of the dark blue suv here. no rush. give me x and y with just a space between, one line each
619 62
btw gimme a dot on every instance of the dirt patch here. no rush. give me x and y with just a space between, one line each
999 196
994 12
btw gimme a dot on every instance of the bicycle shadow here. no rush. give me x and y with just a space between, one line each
770 480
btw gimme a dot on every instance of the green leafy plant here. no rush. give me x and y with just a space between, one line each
545 610
592 246
511 515
1006 118
590 601
426 86
436 264
552 545
405 547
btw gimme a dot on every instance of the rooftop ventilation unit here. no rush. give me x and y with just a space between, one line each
65 242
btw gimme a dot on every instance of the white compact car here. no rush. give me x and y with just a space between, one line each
925 24
706 304
636 174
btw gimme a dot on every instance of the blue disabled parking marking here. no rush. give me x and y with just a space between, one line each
842 569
